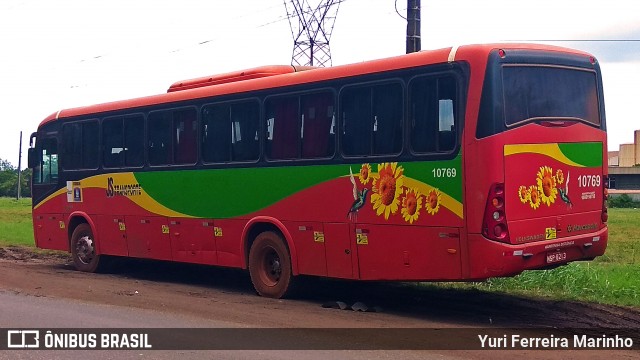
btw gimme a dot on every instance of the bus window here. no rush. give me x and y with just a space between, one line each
432 112
185 134
134 140
372 120
244 131
532 92
46 170
112 131
283 139
80 141
316 129
123 140
159 143
230 132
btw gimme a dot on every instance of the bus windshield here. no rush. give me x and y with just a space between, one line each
545 92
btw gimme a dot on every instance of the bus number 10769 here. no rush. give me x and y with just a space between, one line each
589 180
444 172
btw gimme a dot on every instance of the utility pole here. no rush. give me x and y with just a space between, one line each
311 29
413 26
19 166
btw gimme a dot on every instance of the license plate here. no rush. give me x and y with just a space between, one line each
556 256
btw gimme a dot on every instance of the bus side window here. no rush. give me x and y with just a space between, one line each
112 132
284 127
387 117
356 121
244 131
185 134
317 119
432 114
372 119
159 141
134 140
216 133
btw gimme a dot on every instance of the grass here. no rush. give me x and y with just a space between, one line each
610 279
613 278
16 227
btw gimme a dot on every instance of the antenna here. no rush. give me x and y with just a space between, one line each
311 29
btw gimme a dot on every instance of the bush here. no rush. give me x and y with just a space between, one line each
623 201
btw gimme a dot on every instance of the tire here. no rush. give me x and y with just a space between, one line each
83 250
270 266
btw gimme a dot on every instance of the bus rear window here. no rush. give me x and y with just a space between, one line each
545 92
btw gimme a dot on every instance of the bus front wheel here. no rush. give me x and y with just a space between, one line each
83 249
270 265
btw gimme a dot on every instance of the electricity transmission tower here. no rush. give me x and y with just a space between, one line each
311 29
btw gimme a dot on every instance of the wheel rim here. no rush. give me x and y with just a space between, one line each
85 252
271 266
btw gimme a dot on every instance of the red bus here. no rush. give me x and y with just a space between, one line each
457 164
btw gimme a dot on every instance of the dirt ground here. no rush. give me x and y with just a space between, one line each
227 295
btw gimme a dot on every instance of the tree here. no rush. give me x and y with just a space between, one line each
9 180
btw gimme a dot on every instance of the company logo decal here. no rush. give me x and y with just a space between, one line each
114 189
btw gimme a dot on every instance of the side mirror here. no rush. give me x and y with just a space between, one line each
32 158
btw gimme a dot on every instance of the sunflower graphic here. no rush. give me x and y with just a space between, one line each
387 188
547 185
411 205
559 177
365 174
523 194
534 197
434 198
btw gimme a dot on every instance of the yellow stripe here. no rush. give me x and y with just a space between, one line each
143 200
550 150
447 201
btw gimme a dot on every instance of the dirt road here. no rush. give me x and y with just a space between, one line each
226 295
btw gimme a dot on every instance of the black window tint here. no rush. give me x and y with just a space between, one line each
283 128
549 92
159 144
318 125
300 126
372 120
432 108
112 131
230 132
81 141
172 137
185 132
134 140
244 131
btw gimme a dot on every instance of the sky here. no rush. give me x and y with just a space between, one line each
57 54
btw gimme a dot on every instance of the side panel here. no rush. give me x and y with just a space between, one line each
339 250
309 240
228 240
408 253
192 240
51 232
112 235
148 237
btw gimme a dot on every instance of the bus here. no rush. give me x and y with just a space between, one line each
457 164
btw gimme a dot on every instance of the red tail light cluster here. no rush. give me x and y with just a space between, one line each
494 226
605 198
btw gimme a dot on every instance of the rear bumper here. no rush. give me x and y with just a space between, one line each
493 259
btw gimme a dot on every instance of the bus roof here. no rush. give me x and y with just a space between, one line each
267 77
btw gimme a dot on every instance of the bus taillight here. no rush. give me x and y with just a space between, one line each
494 226
605 199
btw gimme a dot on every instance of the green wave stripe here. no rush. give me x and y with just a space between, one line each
588 154
228 193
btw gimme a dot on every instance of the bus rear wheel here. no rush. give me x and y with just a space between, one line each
83 249
270 265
